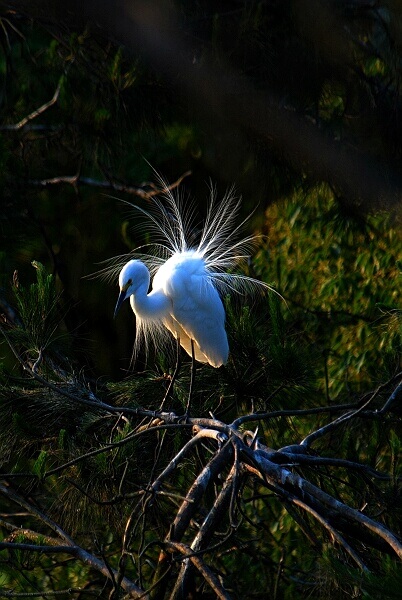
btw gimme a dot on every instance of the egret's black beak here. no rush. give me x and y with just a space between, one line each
120 300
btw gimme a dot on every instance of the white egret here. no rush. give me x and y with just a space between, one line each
184 299
189 273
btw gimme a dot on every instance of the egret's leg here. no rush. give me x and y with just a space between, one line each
175 373
192 376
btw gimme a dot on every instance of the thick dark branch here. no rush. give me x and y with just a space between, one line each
227 97
301 488
210 524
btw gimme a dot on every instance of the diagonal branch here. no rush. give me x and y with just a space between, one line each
69 545
11 495
277 414
301 488
205 571
331 530
35 113
201 434
392 399
96 404
190 505
297 458
52 549
209 525
312 437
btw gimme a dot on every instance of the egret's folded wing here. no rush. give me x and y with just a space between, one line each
199 311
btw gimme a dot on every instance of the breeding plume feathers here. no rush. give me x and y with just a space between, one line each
197 260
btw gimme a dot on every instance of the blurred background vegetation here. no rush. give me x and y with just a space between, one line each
297 103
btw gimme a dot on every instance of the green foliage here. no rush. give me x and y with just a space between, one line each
334 340
39 312
338 272
371 586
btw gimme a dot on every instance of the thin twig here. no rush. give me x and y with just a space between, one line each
129 438
291 459
10 594
276 414
77 179
312 437
35 113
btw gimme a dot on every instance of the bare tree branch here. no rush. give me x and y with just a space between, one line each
332 531
35 113
205 571
286 480
147 190
308 440
67 592
392 399
203 537
37 547
69 546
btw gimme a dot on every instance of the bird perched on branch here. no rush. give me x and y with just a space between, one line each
190 271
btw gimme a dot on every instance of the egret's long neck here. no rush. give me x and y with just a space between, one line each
152 306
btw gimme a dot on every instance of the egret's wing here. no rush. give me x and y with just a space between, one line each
199 313
185 341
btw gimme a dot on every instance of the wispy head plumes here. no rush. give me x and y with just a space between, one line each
173 229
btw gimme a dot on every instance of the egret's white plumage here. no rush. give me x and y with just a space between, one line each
183 299
189 273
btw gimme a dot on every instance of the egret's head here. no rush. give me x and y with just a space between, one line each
132 276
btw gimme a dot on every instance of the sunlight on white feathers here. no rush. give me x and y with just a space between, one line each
190 268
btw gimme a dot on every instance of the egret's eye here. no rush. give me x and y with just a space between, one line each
127 285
